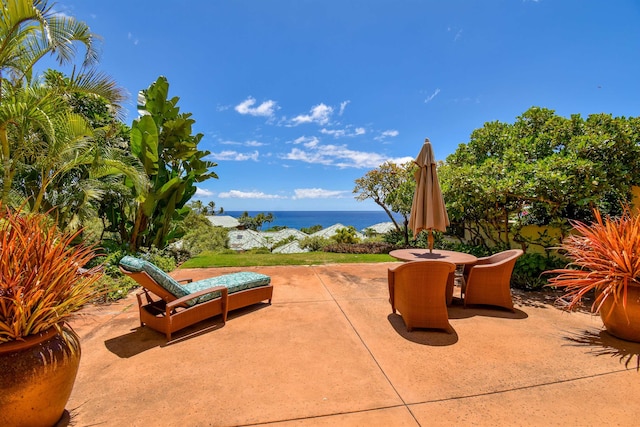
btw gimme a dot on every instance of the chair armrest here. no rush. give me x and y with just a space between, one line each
483 260
224 293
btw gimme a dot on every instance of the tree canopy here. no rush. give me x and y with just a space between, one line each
162 140
543 169
390 186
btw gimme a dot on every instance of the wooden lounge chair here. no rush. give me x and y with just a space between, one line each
418 290
167 306
488 282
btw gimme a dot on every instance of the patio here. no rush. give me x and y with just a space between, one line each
329 352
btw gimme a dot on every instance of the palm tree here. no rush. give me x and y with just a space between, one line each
32 116
211 209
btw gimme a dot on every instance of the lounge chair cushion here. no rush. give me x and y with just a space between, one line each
234 282
163 279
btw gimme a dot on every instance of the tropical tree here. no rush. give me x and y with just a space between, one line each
30 30
543 169
390 186
256 222
162 140
50 156
197 207
211 209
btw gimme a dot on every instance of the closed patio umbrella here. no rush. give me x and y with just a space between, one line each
427 210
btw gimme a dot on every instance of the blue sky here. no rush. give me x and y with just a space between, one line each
298 98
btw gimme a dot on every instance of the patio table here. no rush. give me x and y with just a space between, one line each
419 254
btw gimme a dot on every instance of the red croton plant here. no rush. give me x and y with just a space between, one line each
605 257
41 280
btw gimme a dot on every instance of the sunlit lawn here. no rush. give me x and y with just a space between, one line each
211 259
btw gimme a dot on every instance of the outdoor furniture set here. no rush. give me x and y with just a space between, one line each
167 305
422 288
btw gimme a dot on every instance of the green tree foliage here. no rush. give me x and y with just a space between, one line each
390 186
312 229
543 169
71 173
49 156
208 209
200 235
162 140
256 222
30 30
314 243
345 235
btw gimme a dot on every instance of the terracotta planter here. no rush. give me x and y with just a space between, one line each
37 377
620 323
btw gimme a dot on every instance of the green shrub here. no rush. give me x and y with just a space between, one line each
314 243
529 267
201 235
479 251
162 258
312 229
113 288
283 242
345 235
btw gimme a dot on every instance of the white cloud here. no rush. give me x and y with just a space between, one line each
237 194
266 109
252 143
391 133
234 155
319 193
433 95
203 192
338 133
402 160
133 39
339 156
320 114
343 105
311 140
458 32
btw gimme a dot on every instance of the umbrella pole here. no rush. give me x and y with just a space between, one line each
430 239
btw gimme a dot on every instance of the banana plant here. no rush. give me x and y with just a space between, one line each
162 140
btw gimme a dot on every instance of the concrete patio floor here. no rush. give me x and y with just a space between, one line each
329 352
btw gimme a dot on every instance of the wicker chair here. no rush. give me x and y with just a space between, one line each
168 306
488 282
418 290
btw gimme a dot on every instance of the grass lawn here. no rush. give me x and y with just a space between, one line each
212 259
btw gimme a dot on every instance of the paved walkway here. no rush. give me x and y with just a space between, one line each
328 352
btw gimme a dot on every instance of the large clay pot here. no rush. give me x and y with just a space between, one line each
36 377
621 323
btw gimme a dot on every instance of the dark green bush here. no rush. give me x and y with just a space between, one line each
529 267
314 243
345 235
201 235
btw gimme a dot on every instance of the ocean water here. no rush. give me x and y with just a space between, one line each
305 219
